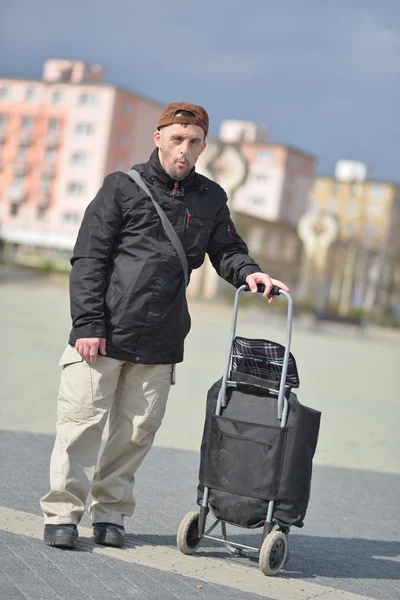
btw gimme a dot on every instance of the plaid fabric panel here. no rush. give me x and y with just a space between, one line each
262 358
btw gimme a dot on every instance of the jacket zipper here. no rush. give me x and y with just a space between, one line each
188 216
186 221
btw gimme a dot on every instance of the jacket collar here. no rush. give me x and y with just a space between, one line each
155 172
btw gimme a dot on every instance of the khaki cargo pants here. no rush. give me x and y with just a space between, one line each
134 396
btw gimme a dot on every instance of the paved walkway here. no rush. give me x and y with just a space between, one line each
349 547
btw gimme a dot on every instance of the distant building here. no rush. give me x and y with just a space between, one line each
368 213
268 186
278 178
59 137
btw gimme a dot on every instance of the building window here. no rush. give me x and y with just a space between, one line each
70 218
376 191
352 209
127 109
79 158
14 207
124 138
264 154
3 93
27 123
75 189
41 212
349 227
45 184
84 129
258 201
371 229
22 153
30 95
261 177
87 99
49 156
57 98
3 121
374 210
54 125
19 181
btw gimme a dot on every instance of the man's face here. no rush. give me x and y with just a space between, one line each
179 147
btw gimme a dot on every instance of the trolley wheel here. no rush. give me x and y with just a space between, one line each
187 537
273 553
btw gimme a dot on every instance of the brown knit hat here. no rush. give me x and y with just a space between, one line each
170 115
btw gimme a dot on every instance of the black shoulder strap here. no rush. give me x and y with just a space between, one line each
166 223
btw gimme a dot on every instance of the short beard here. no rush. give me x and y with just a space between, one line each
178 175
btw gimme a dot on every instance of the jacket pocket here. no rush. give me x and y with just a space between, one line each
195 239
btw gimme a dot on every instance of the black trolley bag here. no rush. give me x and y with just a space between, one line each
257 449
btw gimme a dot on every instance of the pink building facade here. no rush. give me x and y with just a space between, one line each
59 137
278 182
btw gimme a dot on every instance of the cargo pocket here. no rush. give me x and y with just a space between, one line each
159 385
75 397
244 458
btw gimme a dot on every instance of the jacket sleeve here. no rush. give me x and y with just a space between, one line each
100 225
228 252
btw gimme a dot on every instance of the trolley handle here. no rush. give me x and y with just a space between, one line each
275 290
282 402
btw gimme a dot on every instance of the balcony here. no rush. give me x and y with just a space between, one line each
15 194
25 138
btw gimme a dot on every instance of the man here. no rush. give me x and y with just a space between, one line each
130 319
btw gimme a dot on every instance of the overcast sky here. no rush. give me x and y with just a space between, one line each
322 76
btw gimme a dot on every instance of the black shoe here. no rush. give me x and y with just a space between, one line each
109 534
61 536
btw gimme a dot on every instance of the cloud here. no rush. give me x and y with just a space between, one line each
322 75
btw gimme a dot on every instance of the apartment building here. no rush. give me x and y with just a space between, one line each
366 259
268 187
59 136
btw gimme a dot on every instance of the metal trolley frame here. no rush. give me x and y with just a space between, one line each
273 551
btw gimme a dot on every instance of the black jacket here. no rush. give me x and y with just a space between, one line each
127 282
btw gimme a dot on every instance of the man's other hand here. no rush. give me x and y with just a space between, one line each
262 278
88 348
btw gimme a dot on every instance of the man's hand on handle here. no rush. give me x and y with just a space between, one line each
88 348
256 278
